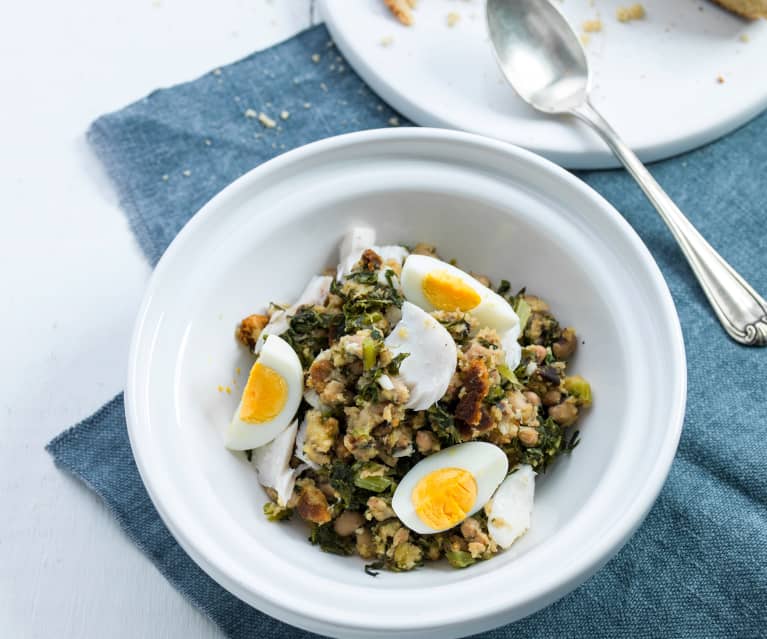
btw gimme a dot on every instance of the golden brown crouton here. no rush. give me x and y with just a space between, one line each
249 329
312 504
476 385
402 10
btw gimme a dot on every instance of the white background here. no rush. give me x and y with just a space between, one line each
71 279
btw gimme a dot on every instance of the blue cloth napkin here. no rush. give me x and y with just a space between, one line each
697 567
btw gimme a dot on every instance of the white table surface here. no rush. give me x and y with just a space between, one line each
71 279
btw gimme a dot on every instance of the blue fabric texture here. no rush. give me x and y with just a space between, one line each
697 567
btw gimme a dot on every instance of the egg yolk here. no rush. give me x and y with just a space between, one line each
444 497
265 395
448 292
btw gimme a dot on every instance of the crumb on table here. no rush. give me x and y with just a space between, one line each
394 121
315 57
592 26
251 114
453 18
386 41
266 121
284 115
627 14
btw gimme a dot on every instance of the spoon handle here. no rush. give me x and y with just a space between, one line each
740 309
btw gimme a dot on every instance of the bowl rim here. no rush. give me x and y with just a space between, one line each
585 564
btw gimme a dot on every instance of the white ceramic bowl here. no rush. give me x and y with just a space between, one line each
497 209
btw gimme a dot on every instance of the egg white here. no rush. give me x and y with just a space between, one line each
509 511
279 356
486 462
432 355
492 311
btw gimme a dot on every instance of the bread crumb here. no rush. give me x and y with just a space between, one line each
284 115
627 14
251 113
165 177
220 388
228 390
208 142
394 121
386 41
585 39
238 370
324 87
402 10
453 18
186 172
743 37
720 79
307 105
216 71
592 26
315 57
266 120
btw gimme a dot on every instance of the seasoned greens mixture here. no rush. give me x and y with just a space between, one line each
408 406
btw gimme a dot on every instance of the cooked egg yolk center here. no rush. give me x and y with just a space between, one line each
448 292
265 395
444 497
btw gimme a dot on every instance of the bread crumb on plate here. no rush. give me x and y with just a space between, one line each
592 26
386 41
627 14
402 10
453 18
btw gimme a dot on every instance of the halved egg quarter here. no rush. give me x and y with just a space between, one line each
445 488
270 398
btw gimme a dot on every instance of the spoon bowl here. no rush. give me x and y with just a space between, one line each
539 54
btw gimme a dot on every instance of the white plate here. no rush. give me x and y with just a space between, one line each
655 80
497 209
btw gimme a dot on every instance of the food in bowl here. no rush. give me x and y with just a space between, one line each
402 407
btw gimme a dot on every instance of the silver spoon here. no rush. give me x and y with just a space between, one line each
541 57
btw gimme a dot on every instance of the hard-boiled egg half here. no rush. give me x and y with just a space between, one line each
432 356
270 399
435 285
445 488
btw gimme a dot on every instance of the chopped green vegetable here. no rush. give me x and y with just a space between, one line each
509 376
372 476
373 484
275 512
443 424
328 540
579 388
523 311
495 395
459 558
370 349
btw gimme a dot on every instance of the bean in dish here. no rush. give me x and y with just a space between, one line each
402 407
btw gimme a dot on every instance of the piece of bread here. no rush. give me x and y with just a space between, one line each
402 10
751 9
